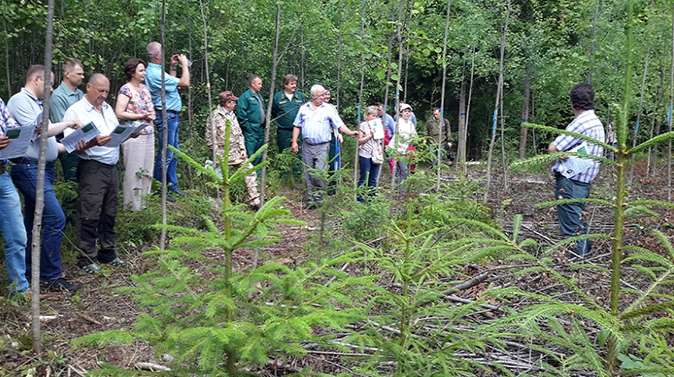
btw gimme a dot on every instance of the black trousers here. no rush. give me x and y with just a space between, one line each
97 210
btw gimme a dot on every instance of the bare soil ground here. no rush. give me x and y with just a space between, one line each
97 306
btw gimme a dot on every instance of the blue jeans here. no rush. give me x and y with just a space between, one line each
570 215
24 176
13 233
369 172
173 122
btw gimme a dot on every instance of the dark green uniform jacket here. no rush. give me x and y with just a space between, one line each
284 111
250 112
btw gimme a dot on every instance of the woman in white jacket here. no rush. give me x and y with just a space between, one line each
405 132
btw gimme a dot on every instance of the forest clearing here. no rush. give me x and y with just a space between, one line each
341 188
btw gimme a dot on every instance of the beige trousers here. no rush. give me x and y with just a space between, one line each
138 154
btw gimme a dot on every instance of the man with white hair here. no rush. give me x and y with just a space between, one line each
315 121
173 107
97 177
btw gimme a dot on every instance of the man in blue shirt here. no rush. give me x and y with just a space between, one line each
11 221
26 107
173 107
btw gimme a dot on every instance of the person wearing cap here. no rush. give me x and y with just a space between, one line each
215 138
251 115
401 143
316 122
284 109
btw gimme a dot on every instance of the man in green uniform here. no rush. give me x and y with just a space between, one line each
250 112
284 109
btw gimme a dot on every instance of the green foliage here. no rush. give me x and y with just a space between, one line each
365 221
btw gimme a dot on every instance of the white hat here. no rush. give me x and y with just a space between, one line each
404 106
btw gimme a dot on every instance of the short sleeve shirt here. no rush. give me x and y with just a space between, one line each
26 109
153 82
140 102
366 149
317 123
586 123
105 120
61 100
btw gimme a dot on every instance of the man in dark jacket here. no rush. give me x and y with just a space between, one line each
250 112
284 109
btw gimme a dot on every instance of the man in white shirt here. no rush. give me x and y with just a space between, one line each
315 122
97 177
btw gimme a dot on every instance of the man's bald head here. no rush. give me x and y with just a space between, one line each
98 88
154 52
98 78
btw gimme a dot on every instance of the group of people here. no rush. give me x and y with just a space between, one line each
92 165
311 127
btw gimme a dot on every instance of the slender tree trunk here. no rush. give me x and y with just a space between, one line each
399 38
635 134
272 87
442 97
388 72
499 89
407 71
340 51
461 142
593 46
504 162
655 125
525 111
671 115
360 95
302 56
7 69
164 116
39 188
190 113
204 19
534 143
463 139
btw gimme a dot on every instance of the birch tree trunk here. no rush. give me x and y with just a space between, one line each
208 76
164 115
637 124
360 96
190 113
671 115
272 87
466 126
655 125
442 97
399 38
7 70
499 89
39 188
525 111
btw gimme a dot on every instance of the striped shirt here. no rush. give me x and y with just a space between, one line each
588 124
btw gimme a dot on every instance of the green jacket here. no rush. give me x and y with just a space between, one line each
250 112
285 110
